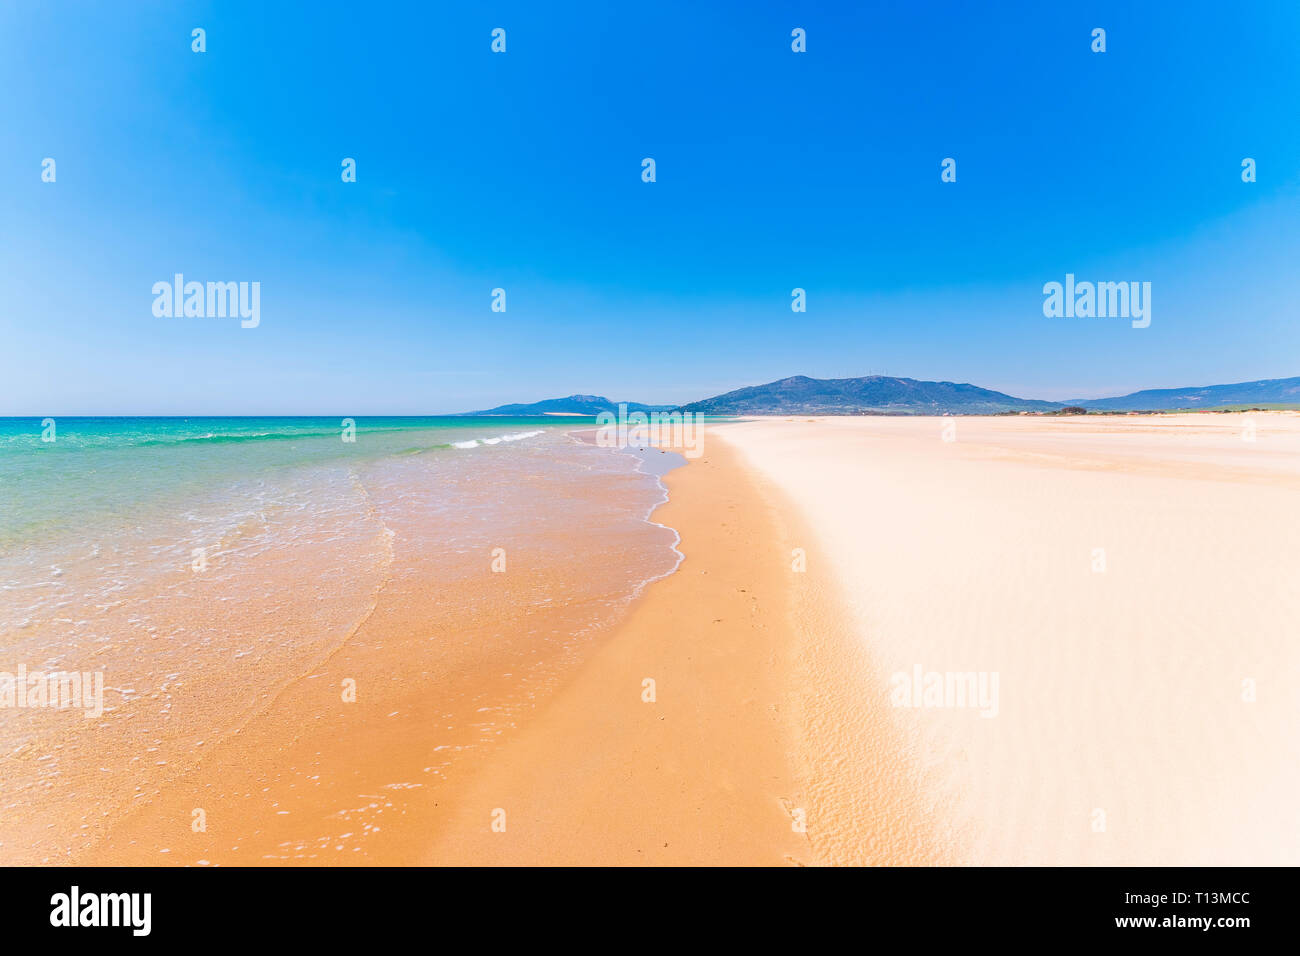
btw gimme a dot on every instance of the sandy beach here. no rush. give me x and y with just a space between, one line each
1130 582
1102 608
1124 582
597 767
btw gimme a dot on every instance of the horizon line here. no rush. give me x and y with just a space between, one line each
671 405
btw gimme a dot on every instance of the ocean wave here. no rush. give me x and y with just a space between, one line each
495 439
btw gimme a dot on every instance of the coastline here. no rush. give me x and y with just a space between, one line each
819 559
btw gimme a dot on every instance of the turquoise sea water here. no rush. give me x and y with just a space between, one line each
99 467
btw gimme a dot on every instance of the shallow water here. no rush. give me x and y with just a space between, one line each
201 565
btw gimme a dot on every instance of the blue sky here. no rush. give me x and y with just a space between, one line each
775 170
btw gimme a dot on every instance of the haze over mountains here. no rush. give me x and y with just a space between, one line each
1269 391
886 395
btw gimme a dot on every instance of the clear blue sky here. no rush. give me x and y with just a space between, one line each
522 170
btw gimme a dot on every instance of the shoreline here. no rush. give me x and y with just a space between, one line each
700 775
758 749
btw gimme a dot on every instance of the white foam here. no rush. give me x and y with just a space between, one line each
495 440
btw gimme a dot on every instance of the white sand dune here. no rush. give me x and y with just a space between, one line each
1123 733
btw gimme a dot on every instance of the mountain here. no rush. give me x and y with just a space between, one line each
572 405
882 395
872 395
1264 392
